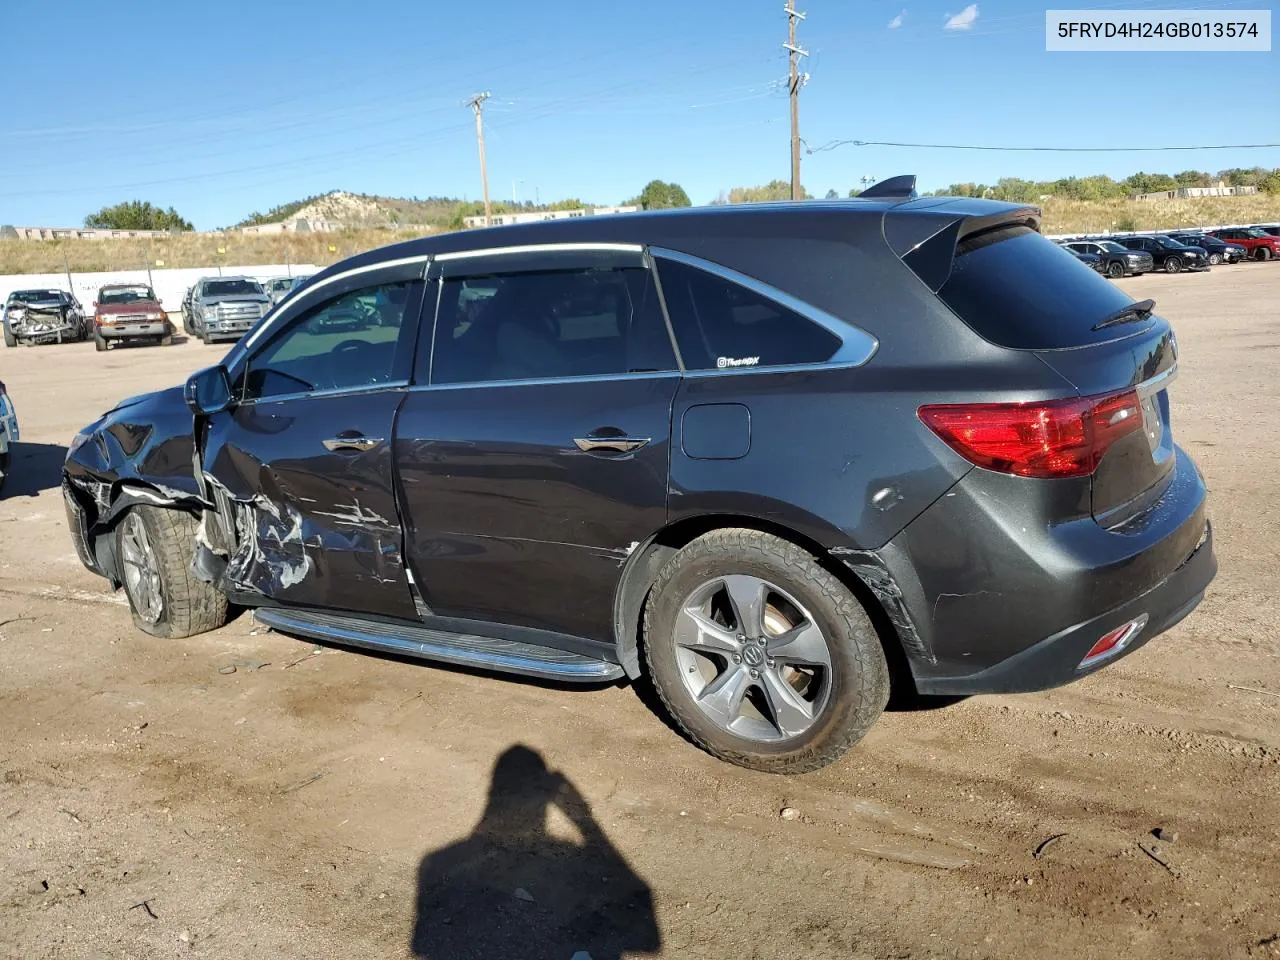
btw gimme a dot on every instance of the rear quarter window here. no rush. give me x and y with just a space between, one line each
1017 289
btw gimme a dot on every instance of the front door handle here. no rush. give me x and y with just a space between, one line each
614 444
351 441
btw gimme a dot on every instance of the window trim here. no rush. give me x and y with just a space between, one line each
857 346
539 248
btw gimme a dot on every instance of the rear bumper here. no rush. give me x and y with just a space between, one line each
1055 660
990 596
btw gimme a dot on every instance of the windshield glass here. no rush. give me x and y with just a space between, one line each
1255 233
125 294
232 288
33 296
1111 246
1168 242
278 285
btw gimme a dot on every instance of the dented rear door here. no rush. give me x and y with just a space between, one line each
300 469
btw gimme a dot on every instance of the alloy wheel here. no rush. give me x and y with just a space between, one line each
141 574
752 658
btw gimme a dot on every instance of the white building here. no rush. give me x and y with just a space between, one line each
1219 189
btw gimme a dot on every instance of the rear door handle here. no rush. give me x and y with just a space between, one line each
351 441
614 444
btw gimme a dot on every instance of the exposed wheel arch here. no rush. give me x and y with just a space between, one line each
641 569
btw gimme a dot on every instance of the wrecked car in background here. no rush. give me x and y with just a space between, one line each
129 312
8 433
224 308
43 316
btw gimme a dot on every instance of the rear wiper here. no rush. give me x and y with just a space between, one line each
1134 311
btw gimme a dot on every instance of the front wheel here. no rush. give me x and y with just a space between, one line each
4 468
1115 270
1215 259
1173 265
9 339
99 342
762 657
154 548
165 340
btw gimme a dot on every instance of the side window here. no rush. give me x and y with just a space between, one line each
345 343
548 325
722 325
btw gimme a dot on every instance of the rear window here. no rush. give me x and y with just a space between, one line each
1017 289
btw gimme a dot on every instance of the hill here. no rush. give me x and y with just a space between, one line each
361 210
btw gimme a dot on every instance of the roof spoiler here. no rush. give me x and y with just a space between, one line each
895 188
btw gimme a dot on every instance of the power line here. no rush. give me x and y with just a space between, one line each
832 145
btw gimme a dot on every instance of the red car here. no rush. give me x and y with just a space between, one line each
1258 244
129 311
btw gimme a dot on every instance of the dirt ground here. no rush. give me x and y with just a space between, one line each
318 803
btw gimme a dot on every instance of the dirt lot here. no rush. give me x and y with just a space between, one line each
154 803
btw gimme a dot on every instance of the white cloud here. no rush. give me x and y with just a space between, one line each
962 20
896 22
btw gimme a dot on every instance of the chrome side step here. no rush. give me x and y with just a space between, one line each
486 653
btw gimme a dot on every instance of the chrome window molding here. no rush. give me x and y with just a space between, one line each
540 248
544 381
327 392
856 345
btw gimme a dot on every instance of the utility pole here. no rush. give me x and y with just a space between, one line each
476 103
795 81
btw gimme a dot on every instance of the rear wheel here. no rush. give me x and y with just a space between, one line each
1173 265
154 548
165 340
4 468
1264 253
762 657
1115 269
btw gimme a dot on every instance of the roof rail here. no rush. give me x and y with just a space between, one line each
902 187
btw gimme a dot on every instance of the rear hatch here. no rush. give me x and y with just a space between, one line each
1019 290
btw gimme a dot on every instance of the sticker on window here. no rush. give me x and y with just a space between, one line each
723 362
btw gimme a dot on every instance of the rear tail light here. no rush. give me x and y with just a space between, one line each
1112 642
1044 439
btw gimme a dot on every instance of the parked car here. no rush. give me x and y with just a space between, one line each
1259 244
1090 260
1118 261
224 308
8 433
129 312
666 445
1272 229
1219 251
1168 254
43 316
280 287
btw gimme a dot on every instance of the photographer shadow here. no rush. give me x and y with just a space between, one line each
511 889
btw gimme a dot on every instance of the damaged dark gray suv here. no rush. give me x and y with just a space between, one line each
770 457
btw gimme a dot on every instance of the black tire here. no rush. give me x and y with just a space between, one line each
165 340
9 339
188 606
99 343
208 340
1173 265
858 681
4 468
1215 259
1263 254
1115 269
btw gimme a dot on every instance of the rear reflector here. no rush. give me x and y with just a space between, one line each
1112 642
1045 439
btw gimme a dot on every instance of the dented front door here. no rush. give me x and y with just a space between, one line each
316 521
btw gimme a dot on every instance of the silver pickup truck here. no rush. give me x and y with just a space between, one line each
224 308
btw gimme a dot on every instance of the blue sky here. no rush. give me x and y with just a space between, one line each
220 109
